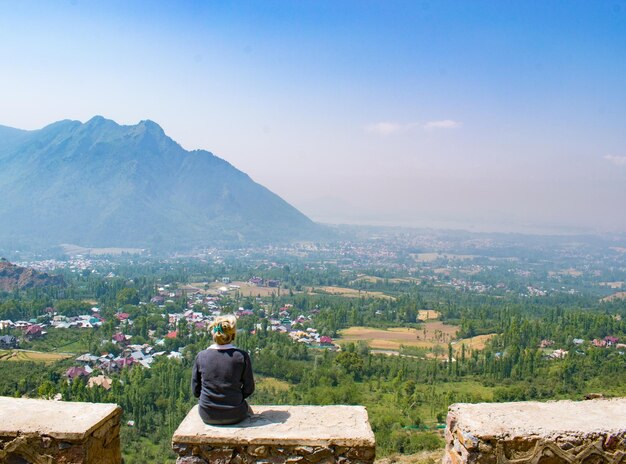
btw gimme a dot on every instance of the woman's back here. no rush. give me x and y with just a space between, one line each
225 378
222 376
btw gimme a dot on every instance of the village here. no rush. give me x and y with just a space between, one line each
203 306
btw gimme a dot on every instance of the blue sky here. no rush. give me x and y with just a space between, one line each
485 115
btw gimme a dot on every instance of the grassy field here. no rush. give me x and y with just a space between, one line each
474 343
244 289
431 334
615 296
427 314
347 292
394 280
270 383
38 356
62 340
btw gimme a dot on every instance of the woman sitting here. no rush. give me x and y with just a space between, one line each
222 376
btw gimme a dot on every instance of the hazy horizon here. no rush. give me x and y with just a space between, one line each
480 116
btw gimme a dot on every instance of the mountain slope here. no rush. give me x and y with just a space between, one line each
13 278
103 184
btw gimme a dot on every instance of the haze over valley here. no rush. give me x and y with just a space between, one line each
403 204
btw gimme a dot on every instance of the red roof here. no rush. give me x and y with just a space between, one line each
122 316
74 372
33 329
125 362
172 334
326 340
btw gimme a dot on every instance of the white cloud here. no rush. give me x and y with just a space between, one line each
390 128
616 160
443 124
386 128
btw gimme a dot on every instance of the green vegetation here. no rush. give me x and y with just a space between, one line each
407 394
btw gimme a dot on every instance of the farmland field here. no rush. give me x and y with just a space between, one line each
392 280
474 343
23 355
431 334
271 383
245 289
347 292
615 296
427 314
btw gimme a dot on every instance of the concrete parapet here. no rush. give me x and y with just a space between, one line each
279 434
46 432
583 432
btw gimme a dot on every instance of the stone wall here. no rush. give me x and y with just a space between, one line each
47 432
585 432
280 434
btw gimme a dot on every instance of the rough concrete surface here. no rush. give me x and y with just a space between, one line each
285 425
280 435
543 419
51 432
556 432
62 420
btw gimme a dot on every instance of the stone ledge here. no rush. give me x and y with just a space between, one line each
285 425
47 432
552 418
61 420
586 432
279 434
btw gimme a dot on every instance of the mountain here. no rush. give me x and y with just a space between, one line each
101 184
13 278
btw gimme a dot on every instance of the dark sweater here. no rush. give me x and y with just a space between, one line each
222 379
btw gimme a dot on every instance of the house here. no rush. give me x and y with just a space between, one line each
33 331
8 341
75 372
124 362
324 340
87 358
578 341
122 316
100 381
599 343
558 354
119 338
546 343
610 341
108 365
172 335
6 324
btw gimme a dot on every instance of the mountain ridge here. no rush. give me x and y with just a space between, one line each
13 277
100 183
